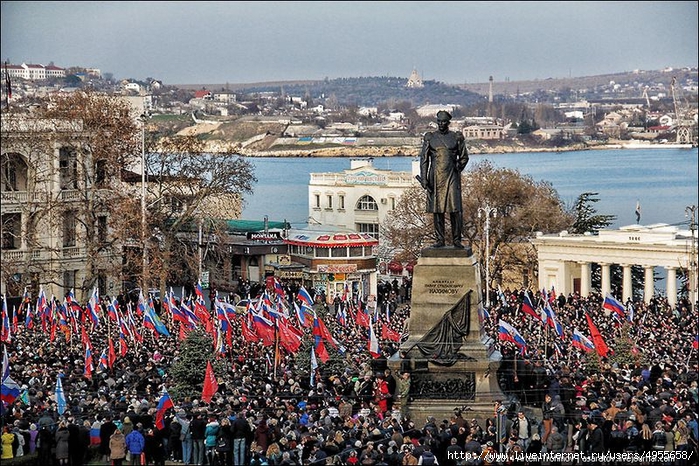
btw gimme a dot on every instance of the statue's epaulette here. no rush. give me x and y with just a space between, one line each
428 136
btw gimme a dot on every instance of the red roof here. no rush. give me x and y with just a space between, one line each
200 94
331 240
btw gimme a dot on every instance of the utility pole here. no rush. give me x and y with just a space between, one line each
691 213
143 118
487 210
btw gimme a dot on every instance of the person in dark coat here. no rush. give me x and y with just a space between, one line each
595 437
154 450
241 434
62 438
44 443
106 430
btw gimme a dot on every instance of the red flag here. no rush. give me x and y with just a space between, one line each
362 318
290 340
387 333
319 329
112 354
210 384
123 347
248 335
600 345
322 352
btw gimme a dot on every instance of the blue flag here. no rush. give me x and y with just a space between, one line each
60 397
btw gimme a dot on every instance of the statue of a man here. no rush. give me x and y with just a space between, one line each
442 159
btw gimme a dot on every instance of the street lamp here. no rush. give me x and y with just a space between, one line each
488 211
691 212
143 118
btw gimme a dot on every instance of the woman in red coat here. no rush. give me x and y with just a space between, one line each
381 394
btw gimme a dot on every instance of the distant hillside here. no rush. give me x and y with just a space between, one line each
368 91
584 82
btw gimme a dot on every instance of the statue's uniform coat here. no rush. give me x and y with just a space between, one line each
442 159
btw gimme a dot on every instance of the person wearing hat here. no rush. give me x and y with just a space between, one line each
442 159
595 437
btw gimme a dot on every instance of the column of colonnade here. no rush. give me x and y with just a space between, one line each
627 285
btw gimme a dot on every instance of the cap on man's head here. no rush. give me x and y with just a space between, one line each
443 115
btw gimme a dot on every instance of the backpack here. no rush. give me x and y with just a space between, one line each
659 440
427 458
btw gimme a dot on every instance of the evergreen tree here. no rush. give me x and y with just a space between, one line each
189 369
586 217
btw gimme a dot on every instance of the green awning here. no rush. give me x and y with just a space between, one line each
246 226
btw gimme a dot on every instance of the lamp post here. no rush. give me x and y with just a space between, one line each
488 211
143 118
691 212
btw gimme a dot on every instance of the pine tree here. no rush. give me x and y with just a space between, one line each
189 369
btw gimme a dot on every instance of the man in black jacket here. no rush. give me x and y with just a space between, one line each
198 428
241 432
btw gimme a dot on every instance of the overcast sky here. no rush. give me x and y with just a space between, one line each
451 42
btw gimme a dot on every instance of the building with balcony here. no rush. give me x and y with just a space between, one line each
357 199
48 179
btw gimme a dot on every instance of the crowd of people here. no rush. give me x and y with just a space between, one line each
275 411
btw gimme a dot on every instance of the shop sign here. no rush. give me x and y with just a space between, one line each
337 268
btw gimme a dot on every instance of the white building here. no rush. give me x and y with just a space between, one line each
357 199
565 259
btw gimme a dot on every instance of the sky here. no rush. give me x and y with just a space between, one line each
451 42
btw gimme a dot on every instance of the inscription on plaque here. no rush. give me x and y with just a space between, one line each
443 287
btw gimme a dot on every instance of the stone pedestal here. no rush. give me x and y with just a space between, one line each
446 298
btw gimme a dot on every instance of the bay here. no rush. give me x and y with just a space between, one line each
663 181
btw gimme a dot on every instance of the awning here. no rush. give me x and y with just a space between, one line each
330 239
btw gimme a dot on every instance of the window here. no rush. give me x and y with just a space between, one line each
68 168
392 203
11 231
341 202
69 229
367 203
356 251
330 201
339 252
322 252
371 228
100 172
316 198
102 229
69 280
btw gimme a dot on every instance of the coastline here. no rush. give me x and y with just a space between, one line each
395 151
403 149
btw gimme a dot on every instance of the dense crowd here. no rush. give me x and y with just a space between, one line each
557 397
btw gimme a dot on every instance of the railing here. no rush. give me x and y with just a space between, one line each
73 251
395 178
24 197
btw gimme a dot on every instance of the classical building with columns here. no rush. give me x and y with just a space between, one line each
565 259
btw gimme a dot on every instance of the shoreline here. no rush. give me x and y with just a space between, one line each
401 151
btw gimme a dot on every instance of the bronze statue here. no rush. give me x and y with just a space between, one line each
442 159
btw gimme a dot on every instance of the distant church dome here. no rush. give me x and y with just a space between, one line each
415 81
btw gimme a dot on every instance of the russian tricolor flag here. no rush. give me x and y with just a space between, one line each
553 322
611 304
305 297
164 404
507 332
582 342
528 307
